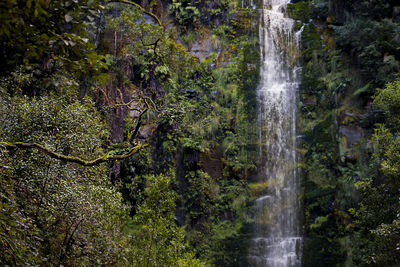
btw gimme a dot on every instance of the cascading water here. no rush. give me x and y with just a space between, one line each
277 240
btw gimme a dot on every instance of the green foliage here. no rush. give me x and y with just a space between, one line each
372 9
375 44
200 195
209 113
377 216
190 13
388 100
387 153
17 229
378 224
350 197
44 37
75 61
53 122
228 244
140 59
184 12
300 11
155 239
46 196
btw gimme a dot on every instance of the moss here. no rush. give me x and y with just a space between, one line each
245 22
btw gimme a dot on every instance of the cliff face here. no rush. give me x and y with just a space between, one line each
204 74
88 79
208 142
343 65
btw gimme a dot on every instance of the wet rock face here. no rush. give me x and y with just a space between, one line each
353 134
212 162
146 131
201 48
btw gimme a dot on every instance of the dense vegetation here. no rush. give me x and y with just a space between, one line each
85 84
350 131
127 132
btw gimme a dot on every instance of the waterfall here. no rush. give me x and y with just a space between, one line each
277 240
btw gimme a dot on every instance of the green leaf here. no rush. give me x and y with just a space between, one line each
362 89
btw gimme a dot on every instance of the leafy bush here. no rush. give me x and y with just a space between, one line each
155 239
373 41
184 13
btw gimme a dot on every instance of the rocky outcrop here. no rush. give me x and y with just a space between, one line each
352 134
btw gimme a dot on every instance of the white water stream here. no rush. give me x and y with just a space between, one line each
277 240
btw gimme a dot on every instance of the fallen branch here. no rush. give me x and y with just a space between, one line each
73 159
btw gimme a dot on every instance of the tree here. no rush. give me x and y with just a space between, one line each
155 238
43 37
64 214
378 215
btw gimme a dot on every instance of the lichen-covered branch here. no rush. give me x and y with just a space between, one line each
127 105
139 7
139 100
73 159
